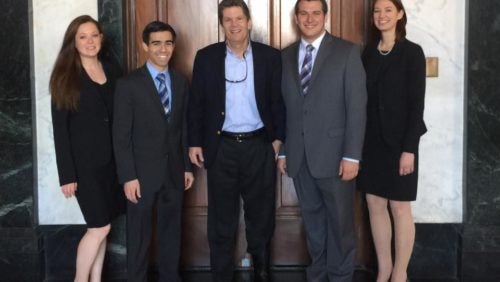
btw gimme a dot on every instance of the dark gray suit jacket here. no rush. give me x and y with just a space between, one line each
328 123
145 144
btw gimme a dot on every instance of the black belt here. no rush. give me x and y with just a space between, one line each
242 136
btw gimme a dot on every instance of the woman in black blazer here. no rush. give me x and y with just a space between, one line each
395 70
82 85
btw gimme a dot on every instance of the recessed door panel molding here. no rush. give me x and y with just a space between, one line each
196 24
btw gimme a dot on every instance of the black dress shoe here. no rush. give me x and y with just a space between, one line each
261 268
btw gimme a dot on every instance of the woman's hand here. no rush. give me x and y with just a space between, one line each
69 189
406 163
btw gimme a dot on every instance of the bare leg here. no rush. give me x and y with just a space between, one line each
96 270
88 250
380 222
404 236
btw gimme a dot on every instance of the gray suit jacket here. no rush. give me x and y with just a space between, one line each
328 123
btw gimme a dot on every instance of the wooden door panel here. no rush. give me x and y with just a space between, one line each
260 11
196 25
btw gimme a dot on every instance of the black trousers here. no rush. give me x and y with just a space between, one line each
245 169
167 201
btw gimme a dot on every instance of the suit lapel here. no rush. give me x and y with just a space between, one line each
175 95
151 91
259 72
325 48
219 65
294 62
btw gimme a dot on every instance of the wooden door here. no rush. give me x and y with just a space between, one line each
196 25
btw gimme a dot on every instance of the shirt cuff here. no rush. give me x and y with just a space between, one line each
351 160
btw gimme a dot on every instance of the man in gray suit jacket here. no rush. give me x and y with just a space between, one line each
324 90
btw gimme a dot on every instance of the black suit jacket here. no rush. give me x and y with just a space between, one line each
400 84
208 96
146 144
83 138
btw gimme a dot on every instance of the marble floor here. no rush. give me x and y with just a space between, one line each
278 275
289 276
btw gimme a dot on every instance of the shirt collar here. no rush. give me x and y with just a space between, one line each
316 43
154 72
247 52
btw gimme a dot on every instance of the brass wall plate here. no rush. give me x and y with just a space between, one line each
432 66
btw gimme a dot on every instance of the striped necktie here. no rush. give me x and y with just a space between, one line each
163 92
306 70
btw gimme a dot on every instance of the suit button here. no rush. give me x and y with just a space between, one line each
222 113
218 132
106 120
305 112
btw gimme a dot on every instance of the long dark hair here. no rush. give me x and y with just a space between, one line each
65 82
400 26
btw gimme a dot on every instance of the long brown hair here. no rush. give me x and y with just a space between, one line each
65 82
400 26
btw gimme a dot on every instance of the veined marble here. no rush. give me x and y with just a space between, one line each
50 20
439 27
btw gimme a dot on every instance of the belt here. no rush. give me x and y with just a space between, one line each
242 136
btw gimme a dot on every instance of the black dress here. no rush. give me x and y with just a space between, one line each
387 116
84 150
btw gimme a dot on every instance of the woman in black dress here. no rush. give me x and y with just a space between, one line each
395 69
82 85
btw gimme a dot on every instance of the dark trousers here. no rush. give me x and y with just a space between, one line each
167 200
243 169
327 209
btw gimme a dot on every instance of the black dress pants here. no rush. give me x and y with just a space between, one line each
245 169
166 200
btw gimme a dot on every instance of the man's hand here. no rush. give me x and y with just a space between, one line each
276 146
406 163
69 189
348 170
188 180
282 165
132 190
196 156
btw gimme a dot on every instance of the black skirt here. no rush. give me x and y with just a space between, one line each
99 195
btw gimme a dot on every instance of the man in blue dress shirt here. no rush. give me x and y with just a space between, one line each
236 122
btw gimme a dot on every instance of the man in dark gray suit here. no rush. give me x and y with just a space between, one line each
324 90
149 135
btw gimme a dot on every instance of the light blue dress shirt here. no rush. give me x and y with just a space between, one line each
302 50
241 114
154 72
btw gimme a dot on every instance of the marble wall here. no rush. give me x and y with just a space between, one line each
19 244
481 237
439 27
50 20
441 250
436 25
16 161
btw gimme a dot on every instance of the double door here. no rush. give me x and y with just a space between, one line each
196 25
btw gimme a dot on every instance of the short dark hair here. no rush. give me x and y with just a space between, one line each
156 26
324 6
233 3
400 26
